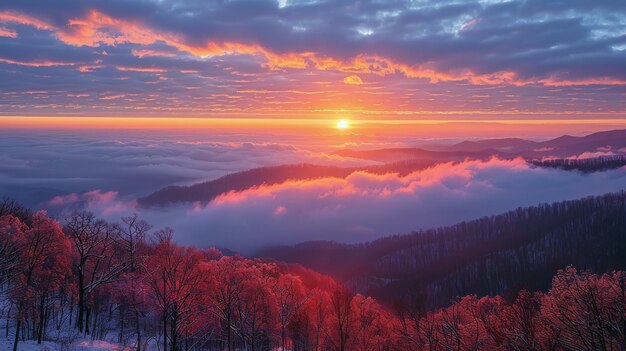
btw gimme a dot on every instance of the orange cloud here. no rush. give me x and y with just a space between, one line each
382 66
555 82
36 63
141 53
113 97
140 69
353 79
97 28
7 32
300 92
12 17
89 68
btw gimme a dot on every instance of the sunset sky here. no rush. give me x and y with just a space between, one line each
483 59
312 174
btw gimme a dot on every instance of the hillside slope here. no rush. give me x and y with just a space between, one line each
492 255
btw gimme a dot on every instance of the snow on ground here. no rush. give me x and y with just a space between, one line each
79 345
6 344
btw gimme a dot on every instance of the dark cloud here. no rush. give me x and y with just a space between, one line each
262 45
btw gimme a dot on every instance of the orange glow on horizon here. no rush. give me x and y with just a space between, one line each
184 122
367 128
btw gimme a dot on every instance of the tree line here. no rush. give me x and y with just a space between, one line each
586 165
83 277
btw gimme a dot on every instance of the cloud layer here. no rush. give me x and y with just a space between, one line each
297 57
363 206
105 171
36 165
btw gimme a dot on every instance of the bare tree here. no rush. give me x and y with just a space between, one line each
132 236
96 263
12 207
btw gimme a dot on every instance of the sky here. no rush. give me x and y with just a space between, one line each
462 59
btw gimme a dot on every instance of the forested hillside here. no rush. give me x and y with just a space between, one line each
84 281
493 255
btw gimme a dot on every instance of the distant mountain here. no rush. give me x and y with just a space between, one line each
492 255
404 154
502 145
614 140
563 146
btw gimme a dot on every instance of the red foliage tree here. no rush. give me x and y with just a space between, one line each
586 311
373 325
174 278
290 296
225 287
340 318
42 263
204 300
521 322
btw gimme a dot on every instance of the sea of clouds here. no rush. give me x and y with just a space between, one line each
65 171
37 165
361 207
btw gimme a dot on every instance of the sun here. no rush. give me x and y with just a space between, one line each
342 124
